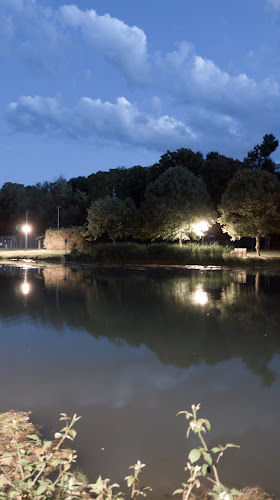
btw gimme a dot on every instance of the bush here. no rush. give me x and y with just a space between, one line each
55 239
154 253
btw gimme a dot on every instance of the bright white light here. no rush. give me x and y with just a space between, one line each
25 288
200 297
201 227
26 228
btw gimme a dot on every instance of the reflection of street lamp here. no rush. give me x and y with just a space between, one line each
200 297
25 286
26 229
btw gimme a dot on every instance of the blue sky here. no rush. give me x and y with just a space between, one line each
98 84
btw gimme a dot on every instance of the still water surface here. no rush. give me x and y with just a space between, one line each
128 349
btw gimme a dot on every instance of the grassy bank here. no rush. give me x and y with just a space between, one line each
167 254
40 255
151 254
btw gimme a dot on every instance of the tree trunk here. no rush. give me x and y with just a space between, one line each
258 245
180 239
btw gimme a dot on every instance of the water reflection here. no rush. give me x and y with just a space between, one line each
200 296
217 314
25 286
127 349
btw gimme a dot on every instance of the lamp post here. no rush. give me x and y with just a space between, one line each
26 229
58 216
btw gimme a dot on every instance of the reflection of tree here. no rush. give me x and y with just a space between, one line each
159 309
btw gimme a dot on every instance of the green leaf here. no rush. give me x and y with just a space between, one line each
207 457
33 436
216 449
55 462
130 480
207 423
72 433
204 469
194 455
41 489
178 492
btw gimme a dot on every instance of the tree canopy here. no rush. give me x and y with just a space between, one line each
111 216
259 157
173 204
250 205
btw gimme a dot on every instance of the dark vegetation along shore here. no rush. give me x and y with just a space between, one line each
162 254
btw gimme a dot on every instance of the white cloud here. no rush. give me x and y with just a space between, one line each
194 79
201 93
121 44
274 3
122 122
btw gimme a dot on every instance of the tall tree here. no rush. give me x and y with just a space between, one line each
132 183
173 204
181 158
218 171
259 157
250 205
12 207
111 216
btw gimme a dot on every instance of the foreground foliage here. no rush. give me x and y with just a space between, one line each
208 460
36 469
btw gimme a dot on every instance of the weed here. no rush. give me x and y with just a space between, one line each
209 459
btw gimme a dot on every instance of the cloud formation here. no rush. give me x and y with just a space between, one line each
206 98
274 3
119 43
121 121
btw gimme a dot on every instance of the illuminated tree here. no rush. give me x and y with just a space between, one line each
173 204
250 205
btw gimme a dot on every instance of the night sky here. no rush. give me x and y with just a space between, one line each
107 83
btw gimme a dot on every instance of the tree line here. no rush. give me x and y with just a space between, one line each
164 200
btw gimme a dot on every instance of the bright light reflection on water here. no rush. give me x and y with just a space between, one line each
25 288
200 297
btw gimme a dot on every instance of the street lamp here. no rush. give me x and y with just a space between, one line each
26 229
200 228
58 216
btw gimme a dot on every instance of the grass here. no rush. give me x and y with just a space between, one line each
151 254
167 254
31 254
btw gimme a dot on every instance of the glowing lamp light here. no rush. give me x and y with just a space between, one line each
26 228
200 297
201 227
25 288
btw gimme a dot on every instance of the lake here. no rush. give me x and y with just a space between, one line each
129 348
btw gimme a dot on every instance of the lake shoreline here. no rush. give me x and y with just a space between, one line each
145 256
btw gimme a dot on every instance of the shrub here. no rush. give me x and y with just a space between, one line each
55 239
154 253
